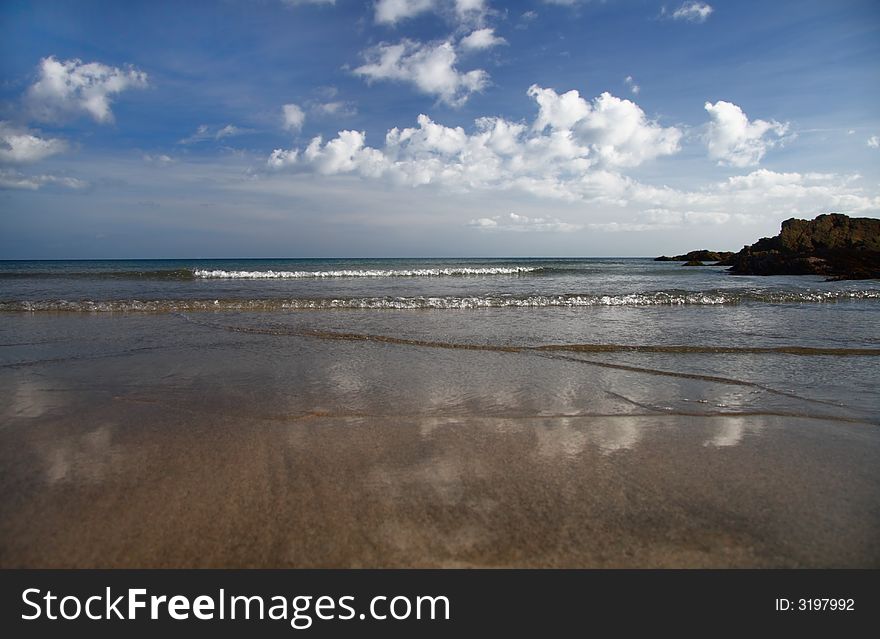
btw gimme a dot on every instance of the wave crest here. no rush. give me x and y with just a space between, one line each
419 272
660 298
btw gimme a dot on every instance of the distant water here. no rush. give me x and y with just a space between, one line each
266 285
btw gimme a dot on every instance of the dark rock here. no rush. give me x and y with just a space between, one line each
726 259
694 263
701 256
834 245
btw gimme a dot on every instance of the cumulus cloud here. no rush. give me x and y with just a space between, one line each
575 149
450 159
206 133
464 11
70 87
523 223
558 111
392 11
616 130
10 179
23 146
692 12
280 158
293 117
874 142
566 153
481 39
734 140
430 68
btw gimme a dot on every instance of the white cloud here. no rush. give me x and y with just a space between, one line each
616 130
762 192
293 117
22 146
336 108
228 131
484 222
345 153
558 111
692 12
565 154
326 104
482 39
452 161
205 133
574 151
280 158
523 223
874 142
16 180
465 12
470 10
202 133
158 159
660 219
392 11
429 67
733 140
631 83
71 87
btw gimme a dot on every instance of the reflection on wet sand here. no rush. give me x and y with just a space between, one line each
230 490
29 398
317 453
731 432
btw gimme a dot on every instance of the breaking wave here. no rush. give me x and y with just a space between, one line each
660 298
418 272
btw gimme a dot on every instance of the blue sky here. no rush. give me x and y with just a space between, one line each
624 127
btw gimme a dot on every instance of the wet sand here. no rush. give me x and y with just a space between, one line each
322 490
241 452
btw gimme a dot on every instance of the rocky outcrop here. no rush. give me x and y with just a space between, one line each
834 245
698 256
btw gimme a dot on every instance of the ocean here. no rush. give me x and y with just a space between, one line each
436 412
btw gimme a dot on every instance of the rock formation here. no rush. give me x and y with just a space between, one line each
833 245
697 256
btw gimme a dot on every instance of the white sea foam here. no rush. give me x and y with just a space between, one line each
659 298
419 272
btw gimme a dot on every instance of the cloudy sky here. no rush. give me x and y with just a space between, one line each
309 128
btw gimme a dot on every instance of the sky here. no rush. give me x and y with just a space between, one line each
428 128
